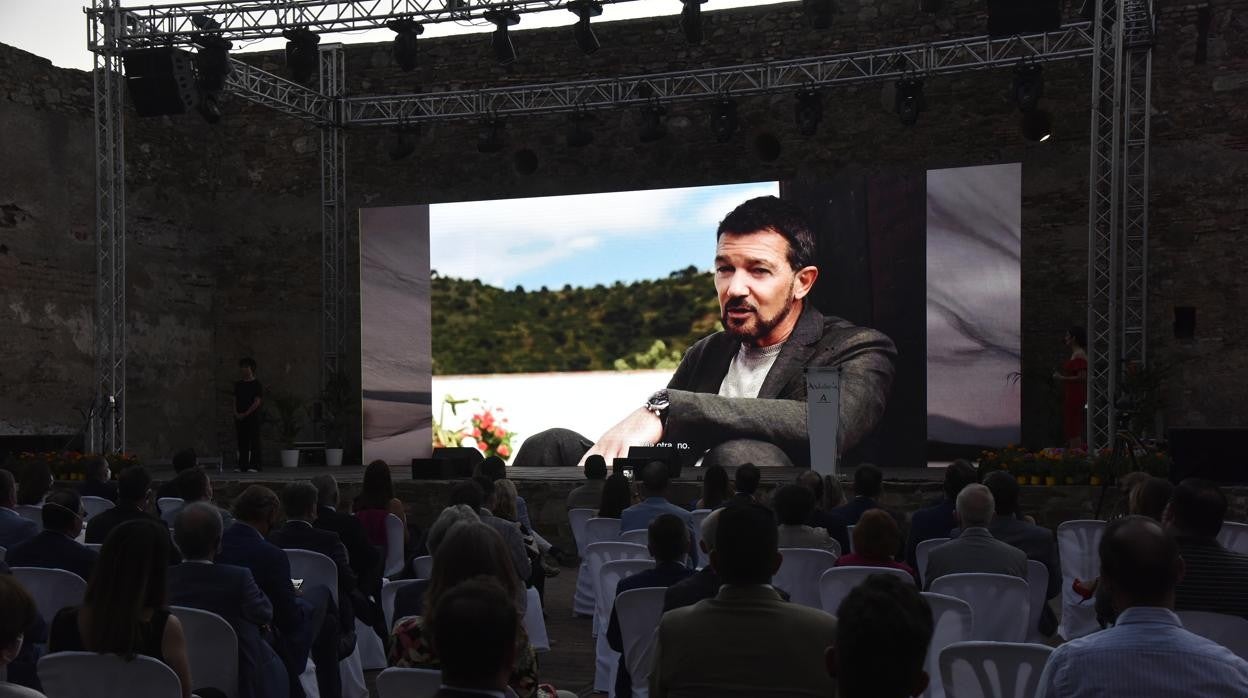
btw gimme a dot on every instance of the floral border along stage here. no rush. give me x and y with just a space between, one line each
1060 466
68 465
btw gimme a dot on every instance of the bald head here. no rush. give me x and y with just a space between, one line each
197 531
975 506
1140 563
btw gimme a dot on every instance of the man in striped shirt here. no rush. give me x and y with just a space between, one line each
1215 579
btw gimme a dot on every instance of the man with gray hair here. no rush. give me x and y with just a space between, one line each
975 550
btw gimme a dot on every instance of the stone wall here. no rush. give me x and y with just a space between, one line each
224 220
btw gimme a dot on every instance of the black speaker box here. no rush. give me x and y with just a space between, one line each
161 81
438 469
1010 17
1216 454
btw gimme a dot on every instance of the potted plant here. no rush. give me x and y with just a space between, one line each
338 405
289 421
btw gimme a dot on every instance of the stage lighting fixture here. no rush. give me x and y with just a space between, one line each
931 5
1037 125
503 20
1028 86
204 22
491 139
909 101
724 120
819 12
652 127
808 112
406 32
212 63
302 55
580 131
691 20
585 10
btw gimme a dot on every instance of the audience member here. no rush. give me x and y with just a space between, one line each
833 493
125 610
510 532
230 592
868 484
365 559
35 484
975 550
1215 579
375 501
495 469
703 584
589 495
99 480
668 541
617 495
182 461
1150 497
1126 485
745 481
14 528
715 489
134 490
876 539
1147 653
939 519
793 506
17 615
821 516
746 641
409 599
884 627
475 639
307 621
1036 542
56 547
654 482
193 485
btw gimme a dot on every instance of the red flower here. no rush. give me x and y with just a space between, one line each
498 431
503 451
476 434
481 446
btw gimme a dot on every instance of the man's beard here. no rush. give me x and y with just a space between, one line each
749 332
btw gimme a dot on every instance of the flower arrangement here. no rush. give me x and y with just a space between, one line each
69 465
486 429
1062 466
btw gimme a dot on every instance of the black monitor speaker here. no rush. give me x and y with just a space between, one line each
1216 454
161 81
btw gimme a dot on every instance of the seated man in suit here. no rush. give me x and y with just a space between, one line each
1036 542
307 621
975 550
366 561
746 641
589 495
884 627
98 482
510 531
668 543
55 547
654 483
939 519
703 584
868 484
474 635
793 505
1214 579
193 485
229 592
182 460
14 528
134 491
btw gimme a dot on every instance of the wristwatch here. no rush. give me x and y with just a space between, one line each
658 404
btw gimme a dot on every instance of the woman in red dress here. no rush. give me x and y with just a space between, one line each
1074 379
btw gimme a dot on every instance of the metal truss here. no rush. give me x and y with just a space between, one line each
242 20
955 56
1137 102
333 216
269 90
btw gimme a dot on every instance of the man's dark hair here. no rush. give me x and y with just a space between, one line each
247 362
668 537
8 486
1140 560
745 544
487 487
1079 334
256 503
1198 507
61 509
959 474
474 632
197 530
133 484
1004 489
192 484
782 217
793 504
812 481
868 481
184 459
883 630
655 477
596 468
493 468
746 478
1151 497
96 467
467 492
326 490
299 500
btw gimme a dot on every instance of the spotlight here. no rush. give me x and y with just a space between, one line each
691 20
585 39
1037 125
909 101
809 112
504 50
205 22
819 12
724 120
580 133
652 127
406 32
931 5
302 58
1028 86
212 63
491 139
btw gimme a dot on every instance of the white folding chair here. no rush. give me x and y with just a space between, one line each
1229 631
595 530
952 622
371 649
800 572
1234 537
1077 544
610 573
92 546
169 515
51 589
394 545
422 567
583 599
699 515
639 611
836 583
1000 603
923 551
849 533
3 552
534 623
211 648
31 512
92 675
639 536
315 568
598 530
577 519
164 504
95 505
992 669
1037 588
388 590
408 683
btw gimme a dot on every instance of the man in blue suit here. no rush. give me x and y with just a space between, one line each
55 547
13 528
306 622
868 484
229 592
938 520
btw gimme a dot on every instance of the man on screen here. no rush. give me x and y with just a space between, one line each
741 392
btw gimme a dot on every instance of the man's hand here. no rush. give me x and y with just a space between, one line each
641 428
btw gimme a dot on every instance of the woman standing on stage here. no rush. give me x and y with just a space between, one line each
1073 376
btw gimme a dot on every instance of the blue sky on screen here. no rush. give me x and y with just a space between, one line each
583 240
